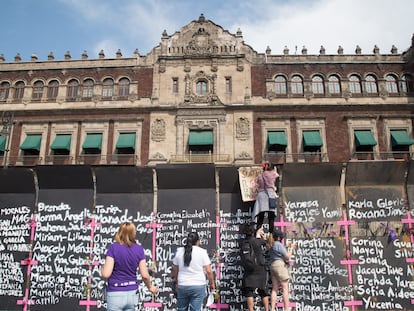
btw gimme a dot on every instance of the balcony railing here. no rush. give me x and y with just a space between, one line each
90 159
389 155
281 157
132 159
200 158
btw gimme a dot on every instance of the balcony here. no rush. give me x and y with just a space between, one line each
200 158
59 159
113 159
389 155
87 159
308 157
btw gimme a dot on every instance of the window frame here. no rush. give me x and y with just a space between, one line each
355 85
406 83
52 89
296 85
108 88
175 85
73 88
4 90
229 86
124 88
391 84
280 85
318 85
334 85
371 86
87 88
201 87
38 90
19 88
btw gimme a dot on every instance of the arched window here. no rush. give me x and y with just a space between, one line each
18 90
371 84
108 88
354 84
280 85
317 85
123 87
201 87
406 84
391 84
73 88
52 89
333 85
4 90
297 85
38 87
87 88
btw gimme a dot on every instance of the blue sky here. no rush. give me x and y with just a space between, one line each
43 26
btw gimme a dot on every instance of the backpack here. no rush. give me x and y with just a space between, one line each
248 256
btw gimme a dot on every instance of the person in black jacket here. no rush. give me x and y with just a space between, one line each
255 280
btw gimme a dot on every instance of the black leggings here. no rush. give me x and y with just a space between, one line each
270 217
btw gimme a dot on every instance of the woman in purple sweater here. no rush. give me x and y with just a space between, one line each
123 258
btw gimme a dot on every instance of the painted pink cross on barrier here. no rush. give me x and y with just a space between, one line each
88 302
410 222
282 223
348 261
218 305
346 223
29 262
153 225
353 304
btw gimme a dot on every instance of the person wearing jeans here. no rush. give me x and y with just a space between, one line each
191 264
123 258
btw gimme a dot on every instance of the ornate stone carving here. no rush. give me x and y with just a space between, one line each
158 156
210 98
244 155
158 130
243 128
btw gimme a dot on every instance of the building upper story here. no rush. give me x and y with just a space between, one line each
204 95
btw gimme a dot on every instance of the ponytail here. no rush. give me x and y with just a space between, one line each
192 239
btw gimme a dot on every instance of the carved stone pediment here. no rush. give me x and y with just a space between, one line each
203 38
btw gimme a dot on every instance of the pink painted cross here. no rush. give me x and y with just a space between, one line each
349 262
346 223
153 225
219 224
29 262
281 304
88 303
410 222
282 223
353 303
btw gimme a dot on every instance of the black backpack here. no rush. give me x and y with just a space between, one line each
248 256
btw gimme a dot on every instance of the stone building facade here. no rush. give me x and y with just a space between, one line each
203 95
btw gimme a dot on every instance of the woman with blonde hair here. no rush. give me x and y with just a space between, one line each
123 258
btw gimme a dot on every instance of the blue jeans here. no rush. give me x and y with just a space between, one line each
122 301
190 297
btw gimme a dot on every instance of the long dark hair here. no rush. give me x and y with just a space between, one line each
192 239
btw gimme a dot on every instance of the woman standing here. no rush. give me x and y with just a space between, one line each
123 258
191 264
279 268
266 187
